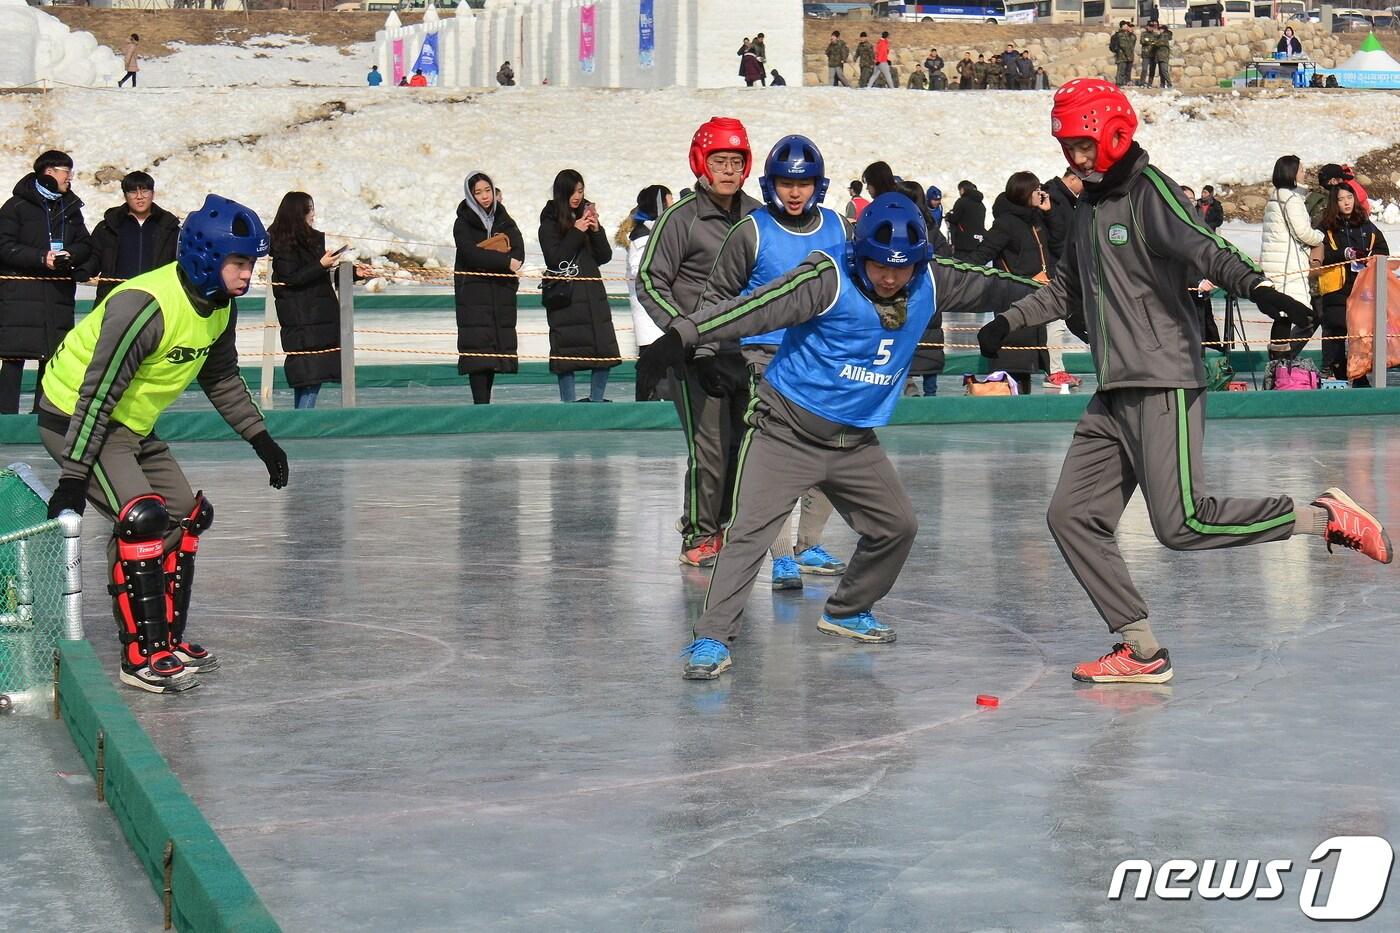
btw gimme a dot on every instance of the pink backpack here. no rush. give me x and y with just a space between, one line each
1292 375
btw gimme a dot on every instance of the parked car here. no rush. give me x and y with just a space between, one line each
1205 14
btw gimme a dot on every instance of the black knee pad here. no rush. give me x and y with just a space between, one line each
200 517
142 519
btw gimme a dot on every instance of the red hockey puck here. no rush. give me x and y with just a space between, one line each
986 699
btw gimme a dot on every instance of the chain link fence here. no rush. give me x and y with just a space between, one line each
40 589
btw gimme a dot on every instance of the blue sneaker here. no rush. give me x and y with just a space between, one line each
786 576
816 560
706 659
864 627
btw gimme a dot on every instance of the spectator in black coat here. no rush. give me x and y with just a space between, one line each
133 237
1018 242
573 243
1064 198
1211 211
929 357
42 234
1349 237
967 221
308 310
486 304
1064 195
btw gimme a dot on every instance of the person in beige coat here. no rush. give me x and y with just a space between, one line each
132 60
1288 236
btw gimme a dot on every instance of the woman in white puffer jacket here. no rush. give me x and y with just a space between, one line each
1288 236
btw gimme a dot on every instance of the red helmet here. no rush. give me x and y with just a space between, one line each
718 134
1099 110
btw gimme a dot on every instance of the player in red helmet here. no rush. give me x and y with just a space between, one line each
1121 285
711 392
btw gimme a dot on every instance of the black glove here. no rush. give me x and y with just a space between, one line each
273 457
992 335
664 353
709 372
71 495
1275 304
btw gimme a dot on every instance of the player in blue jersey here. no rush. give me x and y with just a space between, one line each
766 245
853 319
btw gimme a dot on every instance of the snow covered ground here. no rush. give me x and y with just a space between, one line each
264 61
386 165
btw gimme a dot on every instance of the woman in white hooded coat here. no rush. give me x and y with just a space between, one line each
1288 237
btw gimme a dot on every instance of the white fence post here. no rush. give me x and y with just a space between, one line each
1380 341
345 273
269 346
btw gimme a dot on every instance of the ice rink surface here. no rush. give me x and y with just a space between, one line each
451 698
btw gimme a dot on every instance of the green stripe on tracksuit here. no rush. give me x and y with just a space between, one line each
778 466
1148 439
713 427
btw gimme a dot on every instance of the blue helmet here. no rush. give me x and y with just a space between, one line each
794 157
219 229
892 232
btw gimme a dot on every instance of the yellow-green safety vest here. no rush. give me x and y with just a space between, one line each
162 376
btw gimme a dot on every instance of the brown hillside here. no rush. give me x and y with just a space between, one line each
159 28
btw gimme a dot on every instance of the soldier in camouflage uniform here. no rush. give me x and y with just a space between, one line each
865 56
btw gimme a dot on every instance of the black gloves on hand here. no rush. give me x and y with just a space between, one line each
273 457
71 495
710 374
992 335
1275 304
663 354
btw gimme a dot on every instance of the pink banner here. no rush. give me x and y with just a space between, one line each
398 61
587 37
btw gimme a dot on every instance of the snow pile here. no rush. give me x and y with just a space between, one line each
266 61
387 165
36 47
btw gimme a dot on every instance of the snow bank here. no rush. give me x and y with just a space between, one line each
391 165
266 61
35 47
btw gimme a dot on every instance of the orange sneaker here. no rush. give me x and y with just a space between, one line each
1122 665
1351 526
703 553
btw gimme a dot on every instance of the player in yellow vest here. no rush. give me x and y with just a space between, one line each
109 380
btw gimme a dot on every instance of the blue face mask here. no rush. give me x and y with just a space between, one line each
45 193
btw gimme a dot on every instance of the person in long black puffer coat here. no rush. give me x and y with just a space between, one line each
308 310
1019 242
42 234
573 241
486 304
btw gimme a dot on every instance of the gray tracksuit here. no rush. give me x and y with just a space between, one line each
730 276
789 449
1133 244
670 279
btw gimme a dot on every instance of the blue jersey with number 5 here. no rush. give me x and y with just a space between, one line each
846 366
780 250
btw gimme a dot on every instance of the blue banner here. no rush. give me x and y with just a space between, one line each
646 34
428 59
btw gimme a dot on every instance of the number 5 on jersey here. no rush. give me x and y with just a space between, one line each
882 356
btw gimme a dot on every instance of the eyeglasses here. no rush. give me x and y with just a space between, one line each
730 164
60 168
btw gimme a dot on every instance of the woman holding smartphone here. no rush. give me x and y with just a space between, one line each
308 310
581 334
1019 242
